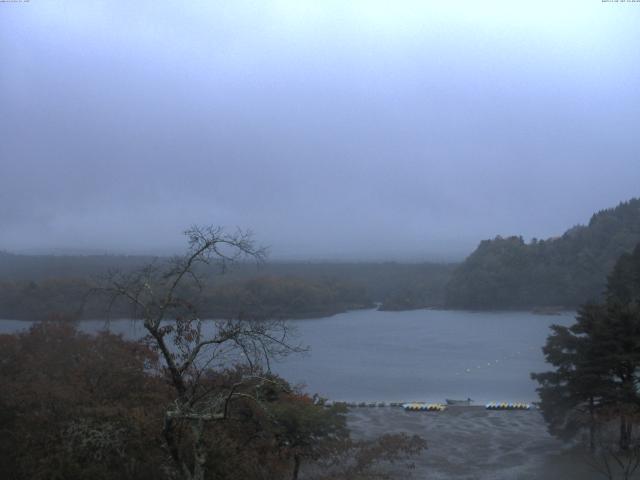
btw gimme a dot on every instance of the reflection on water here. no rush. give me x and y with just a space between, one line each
425 355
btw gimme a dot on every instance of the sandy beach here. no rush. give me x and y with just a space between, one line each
474 443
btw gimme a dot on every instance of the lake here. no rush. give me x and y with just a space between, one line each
425 355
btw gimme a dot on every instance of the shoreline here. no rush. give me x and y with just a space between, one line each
472 443
332 312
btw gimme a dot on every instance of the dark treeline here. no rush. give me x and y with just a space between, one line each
261 297
410 287
32 287
44 267
564 272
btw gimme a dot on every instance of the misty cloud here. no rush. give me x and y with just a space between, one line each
369 130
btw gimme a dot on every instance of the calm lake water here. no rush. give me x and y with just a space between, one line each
425 355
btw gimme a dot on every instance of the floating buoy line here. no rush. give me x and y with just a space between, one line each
424 407
440 407
493 363
508 406
431 407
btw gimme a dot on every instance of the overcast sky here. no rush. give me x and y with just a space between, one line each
333 129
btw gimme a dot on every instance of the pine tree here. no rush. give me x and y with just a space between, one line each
597 361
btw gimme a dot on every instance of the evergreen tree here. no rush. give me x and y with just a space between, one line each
565 271
597 361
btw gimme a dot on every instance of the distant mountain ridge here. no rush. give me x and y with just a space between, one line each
565 271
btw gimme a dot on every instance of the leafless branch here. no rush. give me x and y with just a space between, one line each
187 346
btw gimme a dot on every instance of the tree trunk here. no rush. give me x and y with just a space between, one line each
296 467
592 426
625 433
169 437
199 451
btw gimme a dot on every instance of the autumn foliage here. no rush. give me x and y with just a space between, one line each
78 406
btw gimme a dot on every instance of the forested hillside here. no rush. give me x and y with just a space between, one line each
563 272
35 287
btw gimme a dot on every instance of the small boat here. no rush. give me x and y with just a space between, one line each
466 402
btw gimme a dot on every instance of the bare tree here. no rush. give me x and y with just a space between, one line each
161 295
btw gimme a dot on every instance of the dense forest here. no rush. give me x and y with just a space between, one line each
34 287
558 272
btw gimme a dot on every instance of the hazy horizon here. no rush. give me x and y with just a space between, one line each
336 130
435 257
